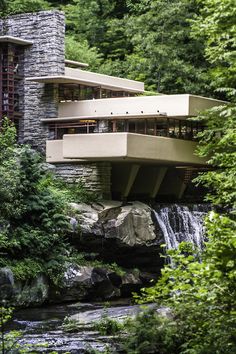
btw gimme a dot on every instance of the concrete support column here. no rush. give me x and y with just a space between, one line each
131 178
181 190
161 172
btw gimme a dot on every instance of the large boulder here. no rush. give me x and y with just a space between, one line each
78 283
84 282
131 224
125 234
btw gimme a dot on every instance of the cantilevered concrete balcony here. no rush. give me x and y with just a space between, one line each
170 105
126 147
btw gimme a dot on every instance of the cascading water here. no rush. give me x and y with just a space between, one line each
180 223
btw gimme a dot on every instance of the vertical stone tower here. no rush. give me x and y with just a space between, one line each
33 44
30 45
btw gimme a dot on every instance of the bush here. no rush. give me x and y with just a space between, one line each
108 326
152 333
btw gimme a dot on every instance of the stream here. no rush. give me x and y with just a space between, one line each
43 332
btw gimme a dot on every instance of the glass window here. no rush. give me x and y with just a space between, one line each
150 126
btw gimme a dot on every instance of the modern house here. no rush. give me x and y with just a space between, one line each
96 129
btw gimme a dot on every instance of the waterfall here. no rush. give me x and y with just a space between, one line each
180 223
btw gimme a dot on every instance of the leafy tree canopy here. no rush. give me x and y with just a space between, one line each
202 293
172 61
216 24
11 7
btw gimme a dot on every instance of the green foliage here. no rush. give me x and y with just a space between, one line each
216 24
9 173
108 326
80 259
9 340
12 7
152 333
25 269
69 192
202 294
32 216
88 19
163 50
218 141
79 50
70 325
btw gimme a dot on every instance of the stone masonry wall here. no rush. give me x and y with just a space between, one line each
46 29
96 177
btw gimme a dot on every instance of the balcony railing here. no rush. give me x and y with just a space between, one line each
161 126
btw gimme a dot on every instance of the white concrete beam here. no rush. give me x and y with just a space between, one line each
182 190
132 176
161 172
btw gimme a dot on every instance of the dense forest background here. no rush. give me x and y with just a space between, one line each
175 47
151 41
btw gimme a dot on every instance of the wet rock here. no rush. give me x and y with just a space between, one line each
88 218
32 293
125 234
131 282
119 313
103 286
6 284
23 293
133 226
83 282
44 325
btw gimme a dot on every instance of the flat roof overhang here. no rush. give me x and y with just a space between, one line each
62 79
76 63
15 40
88 78
124 147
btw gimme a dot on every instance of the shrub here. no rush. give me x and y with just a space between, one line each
152 333
108 326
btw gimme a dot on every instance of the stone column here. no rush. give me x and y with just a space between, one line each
46 29
94 177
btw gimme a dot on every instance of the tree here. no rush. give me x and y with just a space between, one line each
12 7
216 25
33 223
218 142
80 51
10 190
202 294
163 50
87 20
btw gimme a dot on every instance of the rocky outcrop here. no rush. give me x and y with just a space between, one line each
130 224
129 235
78 283
82 282
125 234
95 283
